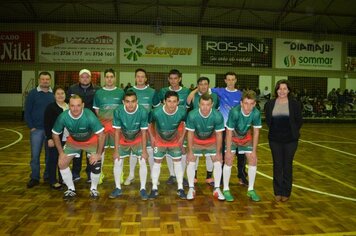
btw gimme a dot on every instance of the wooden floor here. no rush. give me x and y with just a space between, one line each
323 200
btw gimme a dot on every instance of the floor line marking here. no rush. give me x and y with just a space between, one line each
16 141
333 136
320 173
326 147
313 190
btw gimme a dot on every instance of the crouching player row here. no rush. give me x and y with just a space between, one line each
205 128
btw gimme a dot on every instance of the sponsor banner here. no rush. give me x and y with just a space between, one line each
77 47
165 49
17 47
308 55
236 51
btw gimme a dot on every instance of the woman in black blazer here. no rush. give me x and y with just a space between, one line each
53 110
284 120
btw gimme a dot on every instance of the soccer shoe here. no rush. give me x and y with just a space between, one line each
153 194
115 193
129 181
210 181
143 194
69 195
253 195
101 179
218 194
228 196
181 194
94 194
191 194
171 180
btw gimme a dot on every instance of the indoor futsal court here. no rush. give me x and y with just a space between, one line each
323 200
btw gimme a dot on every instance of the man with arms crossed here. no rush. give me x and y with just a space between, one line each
106 100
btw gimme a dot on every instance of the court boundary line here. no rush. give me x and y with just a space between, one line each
317 172
16 141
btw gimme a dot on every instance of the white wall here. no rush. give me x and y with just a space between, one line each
189 79
351 84
126 77
263 81
333 83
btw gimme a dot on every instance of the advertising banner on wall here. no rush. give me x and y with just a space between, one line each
17 47
165 49
351 57
308 55
77 47
236 51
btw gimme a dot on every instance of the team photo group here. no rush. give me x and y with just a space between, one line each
210 126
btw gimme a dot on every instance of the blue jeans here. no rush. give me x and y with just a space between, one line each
52 165
37 139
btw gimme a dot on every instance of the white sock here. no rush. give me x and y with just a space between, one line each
251 176
191 174
156 170
179 173
68 178
118 164
209 163
170 166
226 177
143 173
151 160
217 174
102 160
197 162
184 162
133 163
94 180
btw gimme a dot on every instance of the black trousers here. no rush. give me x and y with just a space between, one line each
77 166
283 155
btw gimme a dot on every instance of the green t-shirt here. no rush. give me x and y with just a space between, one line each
107 100
166 125
204 127
182 93
130 123
81 128
242 123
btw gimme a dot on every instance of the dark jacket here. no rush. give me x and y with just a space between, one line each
50 116
295 115
86 94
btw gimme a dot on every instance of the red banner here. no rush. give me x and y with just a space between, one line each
17 47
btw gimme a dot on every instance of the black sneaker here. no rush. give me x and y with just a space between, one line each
69 195
153 194
171 180
32 183
181 194
94 194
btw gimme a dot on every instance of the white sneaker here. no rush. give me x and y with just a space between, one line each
191 194
218 194
129 181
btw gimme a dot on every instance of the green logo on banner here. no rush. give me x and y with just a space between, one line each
290 61
133 47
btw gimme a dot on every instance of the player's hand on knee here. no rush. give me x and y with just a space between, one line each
190 157
229 157
144 154
115 155
94 158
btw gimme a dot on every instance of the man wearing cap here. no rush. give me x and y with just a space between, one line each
86 90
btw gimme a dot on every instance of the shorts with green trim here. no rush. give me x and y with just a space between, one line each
74 148
243 145
109 132
204 147
130 147
170 148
